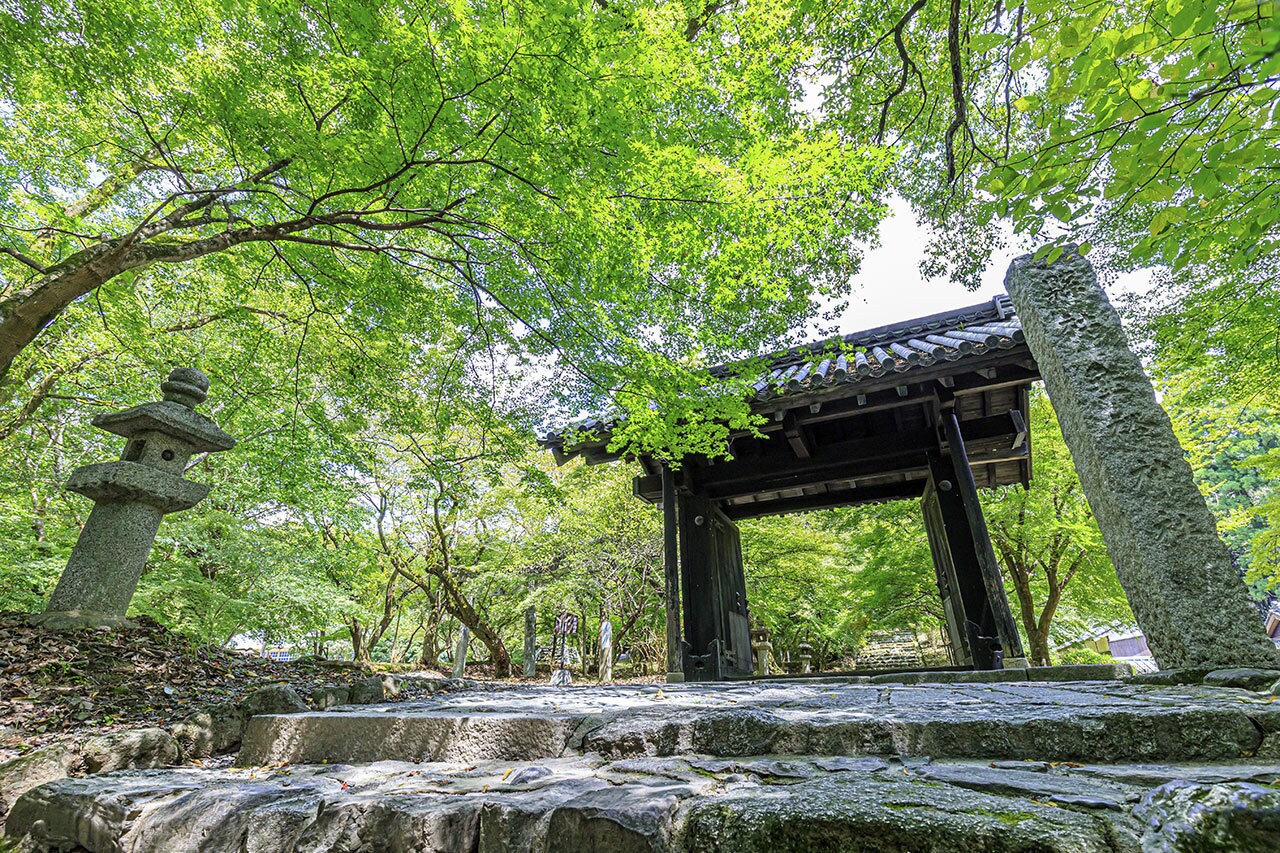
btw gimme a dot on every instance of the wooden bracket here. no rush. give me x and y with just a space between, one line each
796 437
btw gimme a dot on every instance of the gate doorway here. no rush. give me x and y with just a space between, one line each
930 409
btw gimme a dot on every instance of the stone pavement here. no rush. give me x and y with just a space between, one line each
770 766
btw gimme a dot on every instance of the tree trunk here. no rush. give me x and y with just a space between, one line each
1027 611
1039 642
460 608
25 313
359 651
497 649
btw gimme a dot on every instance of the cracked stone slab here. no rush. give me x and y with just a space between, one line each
1064 789
748 766
854 812
1040 721
691 803
432 806
354 736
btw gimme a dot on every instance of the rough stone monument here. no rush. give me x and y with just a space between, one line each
606 651
530 642
1187 596
130 497
460 653
566 624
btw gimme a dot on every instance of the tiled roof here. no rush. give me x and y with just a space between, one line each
886 350
883 351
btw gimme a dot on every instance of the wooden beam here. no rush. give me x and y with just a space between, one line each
908 468
1006 628
883 446
1020 429
671 570
796 436
844 497
896 453
649 489
864 458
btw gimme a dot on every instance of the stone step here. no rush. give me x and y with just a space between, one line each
1048 722
693 803
757 766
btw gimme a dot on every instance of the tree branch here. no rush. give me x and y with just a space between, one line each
957 88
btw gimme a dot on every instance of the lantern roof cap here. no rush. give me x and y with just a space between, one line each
175 415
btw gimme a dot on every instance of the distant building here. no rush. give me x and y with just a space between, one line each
1273 622
256 645
1125 643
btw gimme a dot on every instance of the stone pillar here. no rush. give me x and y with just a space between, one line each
130 497
1189 599
122 533
761 649
530 642
606 651
460 653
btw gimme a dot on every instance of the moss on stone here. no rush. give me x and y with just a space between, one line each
1007 818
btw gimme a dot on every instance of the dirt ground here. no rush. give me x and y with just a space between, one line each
59 685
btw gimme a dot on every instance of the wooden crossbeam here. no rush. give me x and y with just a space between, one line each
750 477
843 497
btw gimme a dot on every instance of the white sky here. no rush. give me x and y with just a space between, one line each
889 287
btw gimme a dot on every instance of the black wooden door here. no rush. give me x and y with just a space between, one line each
732 594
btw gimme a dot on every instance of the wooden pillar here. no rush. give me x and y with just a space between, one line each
1006 630
733 629
702 612
671 570
934 503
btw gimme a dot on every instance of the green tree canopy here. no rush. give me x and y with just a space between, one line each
1143 129
622 188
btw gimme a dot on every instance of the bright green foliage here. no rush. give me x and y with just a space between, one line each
1144 130
588 547
1157 115
213 577
626 190
1234 450
1146 127
804 585
401 238
1055 563
1216 330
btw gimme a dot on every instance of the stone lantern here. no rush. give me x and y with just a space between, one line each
761 648
130 497
804 654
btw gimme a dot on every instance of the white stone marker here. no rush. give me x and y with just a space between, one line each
530 642
606 651
460 653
